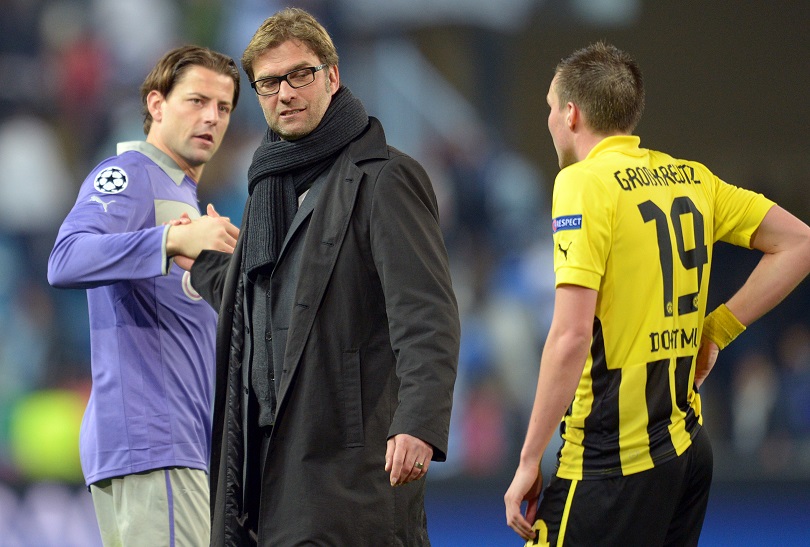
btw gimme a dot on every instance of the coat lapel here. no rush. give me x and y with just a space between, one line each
322 242
303 212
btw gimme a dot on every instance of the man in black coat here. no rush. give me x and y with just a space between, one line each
338 328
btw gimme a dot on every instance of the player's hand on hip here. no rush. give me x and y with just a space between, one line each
706 358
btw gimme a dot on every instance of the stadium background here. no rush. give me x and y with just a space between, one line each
460 85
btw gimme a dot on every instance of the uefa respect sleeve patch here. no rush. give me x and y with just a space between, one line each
567 222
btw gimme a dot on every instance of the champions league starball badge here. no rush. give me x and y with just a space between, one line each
111 180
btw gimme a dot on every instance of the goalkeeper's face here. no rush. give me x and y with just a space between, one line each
191 121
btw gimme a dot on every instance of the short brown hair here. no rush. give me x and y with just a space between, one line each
606 84
290 24
171 67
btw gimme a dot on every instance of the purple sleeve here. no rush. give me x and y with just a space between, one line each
108 237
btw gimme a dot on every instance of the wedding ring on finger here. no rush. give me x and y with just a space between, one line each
418 465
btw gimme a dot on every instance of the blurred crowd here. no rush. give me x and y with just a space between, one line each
69 77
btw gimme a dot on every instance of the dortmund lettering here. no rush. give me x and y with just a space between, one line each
668 340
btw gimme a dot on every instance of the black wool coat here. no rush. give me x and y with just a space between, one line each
371 352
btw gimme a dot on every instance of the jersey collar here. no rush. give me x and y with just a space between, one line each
625 144
156 155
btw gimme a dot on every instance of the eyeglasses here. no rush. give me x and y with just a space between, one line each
296 78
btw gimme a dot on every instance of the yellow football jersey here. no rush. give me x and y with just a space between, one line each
638 226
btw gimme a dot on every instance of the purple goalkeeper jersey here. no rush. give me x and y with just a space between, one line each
152 337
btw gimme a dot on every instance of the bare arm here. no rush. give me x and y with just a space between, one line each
785 240
561 365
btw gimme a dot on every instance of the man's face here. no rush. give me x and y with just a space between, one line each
295 113
190 122
558 127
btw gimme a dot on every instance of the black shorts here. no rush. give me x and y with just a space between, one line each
662 506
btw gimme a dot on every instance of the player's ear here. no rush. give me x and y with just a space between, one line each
571 115
154 103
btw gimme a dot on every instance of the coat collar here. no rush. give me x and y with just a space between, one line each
369 145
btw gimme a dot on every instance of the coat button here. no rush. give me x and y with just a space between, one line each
268 336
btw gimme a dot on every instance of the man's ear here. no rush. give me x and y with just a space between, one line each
572 116
334 79
154 103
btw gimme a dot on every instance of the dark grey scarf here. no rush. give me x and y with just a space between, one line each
283 170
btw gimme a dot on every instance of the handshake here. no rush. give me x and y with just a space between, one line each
187 238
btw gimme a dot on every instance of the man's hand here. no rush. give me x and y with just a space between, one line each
706 357
526 486
187 238
407 458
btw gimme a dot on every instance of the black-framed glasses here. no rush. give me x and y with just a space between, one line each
296 78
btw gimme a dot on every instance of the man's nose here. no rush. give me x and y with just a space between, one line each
211 113
285 90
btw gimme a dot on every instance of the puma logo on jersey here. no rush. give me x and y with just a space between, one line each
102 202
564 251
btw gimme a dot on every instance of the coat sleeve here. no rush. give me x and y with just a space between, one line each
208 275
411 260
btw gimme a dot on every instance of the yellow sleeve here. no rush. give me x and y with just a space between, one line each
738 213
582 217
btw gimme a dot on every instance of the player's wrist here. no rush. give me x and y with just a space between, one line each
530 461
176 239
170 245
722 327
